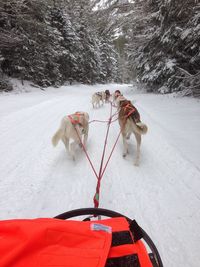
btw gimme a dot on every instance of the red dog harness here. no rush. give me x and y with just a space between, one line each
130 108
75 118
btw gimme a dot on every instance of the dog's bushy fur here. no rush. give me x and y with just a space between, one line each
69 130
130 123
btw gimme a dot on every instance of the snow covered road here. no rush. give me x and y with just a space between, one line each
162 194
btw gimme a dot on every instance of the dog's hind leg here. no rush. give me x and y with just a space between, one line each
137 157
125 145
72 146
66 142
85 136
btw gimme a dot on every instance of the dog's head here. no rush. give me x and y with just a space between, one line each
117 93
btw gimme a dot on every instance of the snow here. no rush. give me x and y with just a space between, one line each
170 63
162 194
185 33
164 90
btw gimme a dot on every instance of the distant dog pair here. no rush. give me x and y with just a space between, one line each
73 127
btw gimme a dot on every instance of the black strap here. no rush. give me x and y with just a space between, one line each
124 261
136 230
121 238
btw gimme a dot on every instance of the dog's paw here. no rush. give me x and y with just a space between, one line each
136 163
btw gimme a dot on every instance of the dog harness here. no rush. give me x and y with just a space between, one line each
75 118
130 110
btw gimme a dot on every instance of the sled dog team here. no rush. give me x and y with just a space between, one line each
74 128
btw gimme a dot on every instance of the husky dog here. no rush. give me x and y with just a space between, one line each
129 121
73 127
97 98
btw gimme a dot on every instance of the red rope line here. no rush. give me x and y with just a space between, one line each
97 194
98 121
111 153
107 121
84 149
101 169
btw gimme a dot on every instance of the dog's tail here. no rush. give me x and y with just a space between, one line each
57 136
141 128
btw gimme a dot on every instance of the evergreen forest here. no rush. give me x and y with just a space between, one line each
52 42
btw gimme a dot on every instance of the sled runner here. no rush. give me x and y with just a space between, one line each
116 241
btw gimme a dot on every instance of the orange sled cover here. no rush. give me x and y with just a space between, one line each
58 243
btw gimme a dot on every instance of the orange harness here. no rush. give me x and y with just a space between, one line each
75 118
130 110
